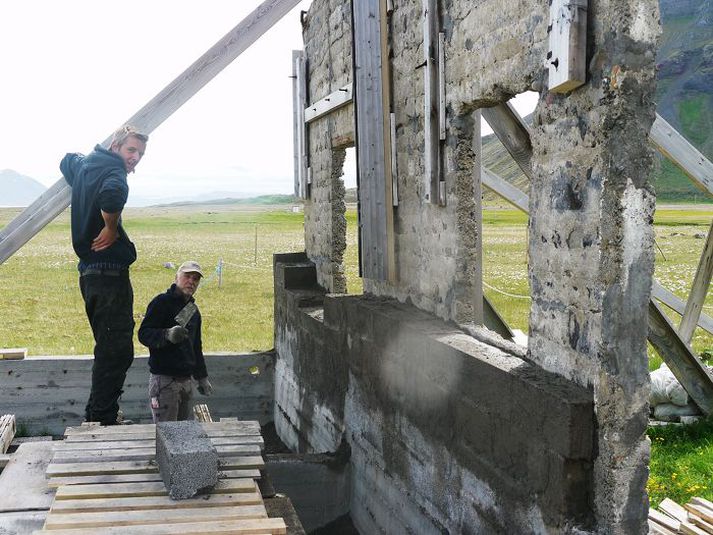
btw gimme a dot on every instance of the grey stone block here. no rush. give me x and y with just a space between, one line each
187 460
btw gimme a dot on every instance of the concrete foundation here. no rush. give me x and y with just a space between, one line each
187 460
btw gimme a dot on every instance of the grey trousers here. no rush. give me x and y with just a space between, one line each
170 397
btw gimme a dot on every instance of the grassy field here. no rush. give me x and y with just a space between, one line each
43 310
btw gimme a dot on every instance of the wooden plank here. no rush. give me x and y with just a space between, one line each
701 502
145 518
674 510
507 191
658 529
332 102
430 100
7 431
66 445
477 297
689 529
372 139
513 133
133 467
701 512
394 175
664 520
684 155
4 459
213 429
299 69
252 526
16 353
151 488
156 111
154 503
674 303
55 482
442 86
699 290
702 524
687 368
141 454
567 54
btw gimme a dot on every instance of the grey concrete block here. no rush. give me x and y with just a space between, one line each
187 460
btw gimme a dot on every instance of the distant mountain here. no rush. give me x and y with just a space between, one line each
684 97
262 200
17 189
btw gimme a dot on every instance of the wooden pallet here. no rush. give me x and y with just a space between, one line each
107 482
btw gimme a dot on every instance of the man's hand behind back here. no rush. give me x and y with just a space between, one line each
105 239
204 387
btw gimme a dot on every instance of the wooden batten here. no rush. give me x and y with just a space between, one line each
699 291
567 54
332 102
17 353
7 431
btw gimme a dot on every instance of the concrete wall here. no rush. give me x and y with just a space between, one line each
591 203
446 434
47 394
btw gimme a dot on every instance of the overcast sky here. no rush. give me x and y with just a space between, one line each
73 71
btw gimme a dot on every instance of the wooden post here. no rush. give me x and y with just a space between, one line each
567 55
34 218
478 317
513 133
431 94
699 290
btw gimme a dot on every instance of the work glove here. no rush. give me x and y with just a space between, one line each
204 387
176 334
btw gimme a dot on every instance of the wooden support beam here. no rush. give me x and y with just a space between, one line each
513 133
335 100
674 303
677 149
687 368
478 313
35 217
507 191
567 55
699 290
373 132
432 175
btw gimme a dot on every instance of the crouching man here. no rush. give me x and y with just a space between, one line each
171 330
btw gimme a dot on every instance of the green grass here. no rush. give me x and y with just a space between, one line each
681 462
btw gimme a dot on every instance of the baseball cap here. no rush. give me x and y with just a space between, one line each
190 266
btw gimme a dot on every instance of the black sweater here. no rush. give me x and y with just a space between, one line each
176 360
98 183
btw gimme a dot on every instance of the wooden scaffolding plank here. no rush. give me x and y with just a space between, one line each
154 503
34 218
211 428
58 481
677 149
157 488
252 526
105 443
687 368
699 290
67 520
140 454
132 467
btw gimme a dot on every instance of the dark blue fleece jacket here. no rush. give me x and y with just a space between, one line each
98 183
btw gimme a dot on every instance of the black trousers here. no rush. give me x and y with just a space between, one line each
109 301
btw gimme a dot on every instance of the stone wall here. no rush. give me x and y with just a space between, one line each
445 434
591 203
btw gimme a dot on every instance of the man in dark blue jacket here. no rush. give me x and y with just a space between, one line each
99 193
171 329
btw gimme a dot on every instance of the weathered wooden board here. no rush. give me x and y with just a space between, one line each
211 428
252 526
67 520
115 490
55 482
23 485
132 467
18 353
567 54
332 102
699 291
669 299
154 502
106 444
139 454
